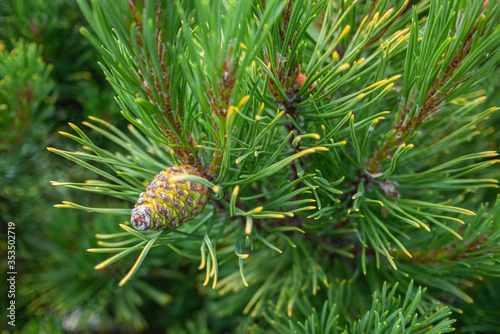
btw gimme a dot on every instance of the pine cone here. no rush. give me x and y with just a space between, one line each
168 204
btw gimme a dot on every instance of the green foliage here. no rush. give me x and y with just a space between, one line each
458 262
25 86
81 89
84 300
482 315
388 314
41 86
328 132
25 104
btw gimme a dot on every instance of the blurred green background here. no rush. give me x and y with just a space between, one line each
49 76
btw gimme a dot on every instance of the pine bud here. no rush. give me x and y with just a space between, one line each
300 80
168 204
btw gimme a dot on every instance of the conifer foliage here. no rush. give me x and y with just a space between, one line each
303 152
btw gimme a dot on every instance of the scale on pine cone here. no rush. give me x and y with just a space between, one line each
168 204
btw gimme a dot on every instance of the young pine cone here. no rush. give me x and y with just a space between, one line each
168 204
